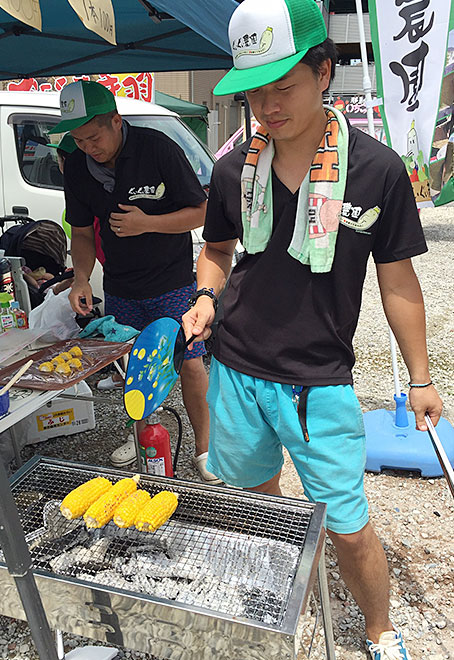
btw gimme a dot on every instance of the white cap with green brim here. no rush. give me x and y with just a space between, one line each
82 101
267 39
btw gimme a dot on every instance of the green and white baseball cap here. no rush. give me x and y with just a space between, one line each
80 102
267 39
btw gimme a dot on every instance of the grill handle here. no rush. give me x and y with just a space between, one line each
18 561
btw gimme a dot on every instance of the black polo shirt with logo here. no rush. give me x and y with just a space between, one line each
153 173
282 322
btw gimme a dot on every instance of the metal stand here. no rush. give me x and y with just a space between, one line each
325 607
18 561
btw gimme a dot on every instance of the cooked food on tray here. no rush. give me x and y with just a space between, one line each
75 351
63 369
66 355
126 514
75 363
47 367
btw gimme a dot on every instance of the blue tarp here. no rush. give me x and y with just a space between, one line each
194 37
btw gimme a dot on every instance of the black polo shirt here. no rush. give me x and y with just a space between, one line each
153 173
282 322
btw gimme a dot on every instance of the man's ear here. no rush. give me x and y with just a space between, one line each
117 121
325 74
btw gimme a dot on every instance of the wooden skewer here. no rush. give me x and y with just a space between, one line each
16 377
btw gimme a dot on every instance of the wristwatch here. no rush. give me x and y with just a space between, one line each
204 292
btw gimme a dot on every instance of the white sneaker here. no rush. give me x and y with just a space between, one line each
109 384
125 454
200 462
390 647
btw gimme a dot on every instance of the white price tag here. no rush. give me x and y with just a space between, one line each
97 16
27 11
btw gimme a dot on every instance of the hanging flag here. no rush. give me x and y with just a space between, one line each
442 161
27 11
409 38
97 16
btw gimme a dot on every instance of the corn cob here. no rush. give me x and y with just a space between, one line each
157 511
63 368
128 510
57 360
102 511
78 500
75 363
46 367
65 355
75 351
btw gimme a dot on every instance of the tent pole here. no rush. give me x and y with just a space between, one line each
367 85
18 561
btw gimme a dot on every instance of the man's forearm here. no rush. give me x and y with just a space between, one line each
213 266
404 308
83 255
178 222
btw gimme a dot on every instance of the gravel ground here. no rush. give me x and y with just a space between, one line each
412 516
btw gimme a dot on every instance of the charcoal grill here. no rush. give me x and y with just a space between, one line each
228 576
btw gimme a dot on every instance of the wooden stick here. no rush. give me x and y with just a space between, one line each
16 377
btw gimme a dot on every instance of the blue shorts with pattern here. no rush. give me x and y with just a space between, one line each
251 420
139 313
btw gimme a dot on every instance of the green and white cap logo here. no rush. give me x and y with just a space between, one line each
80 102
267 39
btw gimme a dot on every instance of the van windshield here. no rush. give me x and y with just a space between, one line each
197 154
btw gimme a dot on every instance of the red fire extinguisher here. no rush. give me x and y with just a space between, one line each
154 445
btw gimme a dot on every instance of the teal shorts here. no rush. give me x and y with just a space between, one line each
252 419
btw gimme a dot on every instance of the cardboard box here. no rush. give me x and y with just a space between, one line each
59 417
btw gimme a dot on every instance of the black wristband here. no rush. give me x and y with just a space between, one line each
204 292
419 385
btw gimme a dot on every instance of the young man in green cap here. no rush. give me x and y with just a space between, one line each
310 198
140 185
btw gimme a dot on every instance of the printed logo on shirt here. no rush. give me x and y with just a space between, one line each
147 192
352 217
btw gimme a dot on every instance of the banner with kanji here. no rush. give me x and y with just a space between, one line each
409 38
442 161
27 11
138 86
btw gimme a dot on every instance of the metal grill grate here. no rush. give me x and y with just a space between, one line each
228 553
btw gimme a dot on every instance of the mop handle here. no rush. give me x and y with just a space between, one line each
16 377
441 454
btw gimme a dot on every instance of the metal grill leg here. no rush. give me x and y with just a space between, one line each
325 607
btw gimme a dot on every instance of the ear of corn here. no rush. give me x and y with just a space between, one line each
157 511
46 366
75 363
127 512
66 355
58 360
102 511
63 368
76 351
81 498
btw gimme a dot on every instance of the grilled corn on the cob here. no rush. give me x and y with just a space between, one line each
75 363
65 355
103 510
129 509
157 511
47 367
75 351
58 360
78 500
63 368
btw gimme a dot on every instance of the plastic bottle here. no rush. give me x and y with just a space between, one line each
20 317
6 316
154 446
6 277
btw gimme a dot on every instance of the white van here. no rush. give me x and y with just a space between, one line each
31 183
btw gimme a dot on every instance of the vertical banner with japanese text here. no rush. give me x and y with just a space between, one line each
409 39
